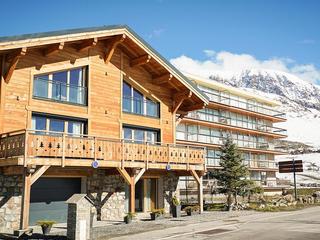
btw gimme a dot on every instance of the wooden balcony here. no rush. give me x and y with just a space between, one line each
28 147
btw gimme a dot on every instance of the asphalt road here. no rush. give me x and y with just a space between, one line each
299 225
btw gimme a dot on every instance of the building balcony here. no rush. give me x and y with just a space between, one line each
230 123
197 139
269 165
246 106
28 147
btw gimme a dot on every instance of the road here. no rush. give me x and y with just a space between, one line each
295 225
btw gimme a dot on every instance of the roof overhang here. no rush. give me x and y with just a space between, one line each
168 71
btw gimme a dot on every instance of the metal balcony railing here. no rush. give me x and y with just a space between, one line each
244 105
59 91
216 118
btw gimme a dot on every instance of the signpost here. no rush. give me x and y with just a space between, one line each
291 167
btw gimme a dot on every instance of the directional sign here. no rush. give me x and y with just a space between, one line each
290 166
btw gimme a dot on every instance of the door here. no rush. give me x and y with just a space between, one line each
150 194
48 197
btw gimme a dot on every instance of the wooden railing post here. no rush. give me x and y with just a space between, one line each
25 149
147 155
5 146
188 158
122 153
95 148
169 154
63 149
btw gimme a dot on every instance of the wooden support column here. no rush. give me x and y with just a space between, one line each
25 204
131 180
200 188
179 98
28 179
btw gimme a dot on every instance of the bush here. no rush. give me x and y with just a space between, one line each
159 211
45 223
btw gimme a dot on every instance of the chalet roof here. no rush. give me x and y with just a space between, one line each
71 35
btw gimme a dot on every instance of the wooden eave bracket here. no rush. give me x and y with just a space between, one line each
131 180
165 78
52 49
178 99
139 61
13 61
111 47
38 174
87 44
196 176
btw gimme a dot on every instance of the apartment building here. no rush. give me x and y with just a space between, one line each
248 118
91 111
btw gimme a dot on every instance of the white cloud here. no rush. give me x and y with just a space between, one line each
307 41
156 33
228 64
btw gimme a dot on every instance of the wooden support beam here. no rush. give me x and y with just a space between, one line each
52 49
139 175
178 99
13 61
25 204
38 174
125 175
112 45
139 61
132 196
165 78
87 44
195 175
199 180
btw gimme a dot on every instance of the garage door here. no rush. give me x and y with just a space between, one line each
48 196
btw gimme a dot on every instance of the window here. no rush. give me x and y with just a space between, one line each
135 102
63 86
57 124
140 135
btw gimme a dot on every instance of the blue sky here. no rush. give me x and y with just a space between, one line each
284 30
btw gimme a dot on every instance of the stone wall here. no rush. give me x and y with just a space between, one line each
170 189
10 203
108 195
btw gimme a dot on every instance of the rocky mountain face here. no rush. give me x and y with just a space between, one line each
295 94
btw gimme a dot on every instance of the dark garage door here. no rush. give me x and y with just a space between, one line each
48 196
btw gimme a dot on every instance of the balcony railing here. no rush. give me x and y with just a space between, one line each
42 144
267 164
244 105
142 106
216 118
219 140
59 91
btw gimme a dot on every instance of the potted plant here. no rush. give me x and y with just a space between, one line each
188 210
46 226
157 214
191 209
176 208
128 218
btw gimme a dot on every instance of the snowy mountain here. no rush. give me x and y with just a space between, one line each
300 100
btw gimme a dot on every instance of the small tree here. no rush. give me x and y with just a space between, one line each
231 178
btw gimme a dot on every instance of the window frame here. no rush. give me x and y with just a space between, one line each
49 78
144 105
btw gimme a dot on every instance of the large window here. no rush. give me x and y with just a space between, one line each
45 123
64 86
135 102
140 135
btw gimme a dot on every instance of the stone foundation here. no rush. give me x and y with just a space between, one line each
108 195
10 203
